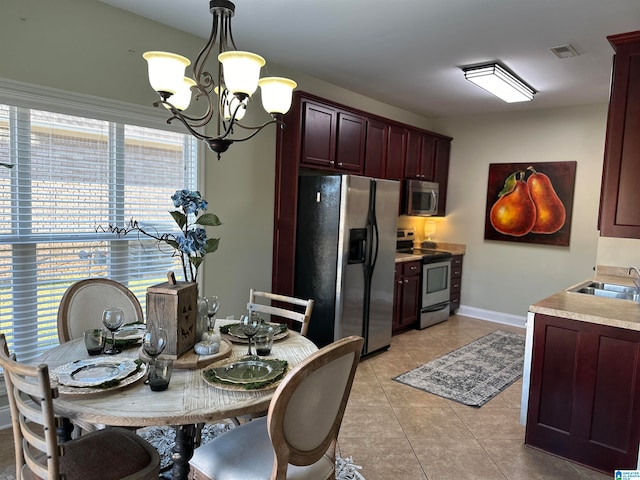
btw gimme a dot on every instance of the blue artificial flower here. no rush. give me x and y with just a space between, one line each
194 242
189 200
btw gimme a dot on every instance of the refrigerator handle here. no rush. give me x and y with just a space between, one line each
372 221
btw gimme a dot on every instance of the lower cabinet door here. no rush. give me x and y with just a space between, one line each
584 400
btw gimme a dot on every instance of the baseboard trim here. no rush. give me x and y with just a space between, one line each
490 315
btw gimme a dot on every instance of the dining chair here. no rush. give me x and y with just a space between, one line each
109 454
298 310
83 302
297 439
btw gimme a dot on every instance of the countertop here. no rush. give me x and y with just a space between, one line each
588 308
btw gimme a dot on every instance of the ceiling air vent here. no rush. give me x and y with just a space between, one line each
564 51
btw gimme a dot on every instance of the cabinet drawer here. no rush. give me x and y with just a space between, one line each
454 303
456 284
456 262
411 268
456 272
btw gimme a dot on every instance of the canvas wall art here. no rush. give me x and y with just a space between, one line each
530 202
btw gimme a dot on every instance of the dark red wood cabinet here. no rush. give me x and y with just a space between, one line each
332 139
406 296
420 156
456 283
620 195
375 160
584 398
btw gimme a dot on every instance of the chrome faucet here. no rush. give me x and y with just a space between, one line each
636 280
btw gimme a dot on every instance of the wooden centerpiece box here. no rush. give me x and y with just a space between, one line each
173 306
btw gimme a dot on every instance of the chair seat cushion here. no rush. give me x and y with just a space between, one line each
225 457
112 454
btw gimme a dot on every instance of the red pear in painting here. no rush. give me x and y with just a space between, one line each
549 208
514 213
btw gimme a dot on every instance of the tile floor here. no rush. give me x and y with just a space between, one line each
396 432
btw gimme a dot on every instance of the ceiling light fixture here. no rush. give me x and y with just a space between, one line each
500 82
227 94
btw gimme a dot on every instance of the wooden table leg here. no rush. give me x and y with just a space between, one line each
182 451
64 430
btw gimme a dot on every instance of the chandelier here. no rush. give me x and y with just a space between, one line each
227 95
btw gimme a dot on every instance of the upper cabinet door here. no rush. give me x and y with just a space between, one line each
319 127
620 195
396 151
350 143
332 139
420 156
375 159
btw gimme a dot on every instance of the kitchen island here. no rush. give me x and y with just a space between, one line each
581 396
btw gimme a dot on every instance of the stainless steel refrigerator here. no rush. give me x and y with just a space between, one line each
345 256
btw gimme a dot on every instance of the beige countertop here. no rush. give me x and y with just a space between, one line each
589 308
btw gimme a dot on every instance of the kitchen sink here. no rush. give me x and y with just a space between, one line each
608 290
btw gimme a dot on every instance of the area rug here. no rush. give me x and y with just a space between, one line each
162 439
473 374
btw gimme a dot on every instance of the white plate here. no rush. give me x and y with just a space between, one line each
131 379
94 371
130 332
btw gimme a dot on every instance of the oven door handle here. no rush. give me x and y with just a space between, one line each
436 308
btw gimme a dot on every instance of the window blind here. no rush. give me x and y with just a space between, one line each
72 175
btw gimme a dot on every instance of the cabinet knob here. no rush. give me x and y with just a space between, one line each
339 164
406 281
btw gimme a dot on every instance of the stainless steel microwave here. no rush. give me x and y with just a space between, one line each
421 198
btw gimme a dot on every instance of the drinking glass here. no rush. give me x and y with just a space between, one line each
250 326
153 342
112 318
213 305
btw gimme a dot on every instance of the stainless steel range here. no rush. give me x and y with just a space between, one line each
436 279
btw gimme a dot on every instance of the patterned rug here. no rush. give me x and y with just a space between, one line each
473 374
162 439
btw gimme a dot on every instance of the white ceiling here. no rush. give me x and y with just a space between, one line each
409 52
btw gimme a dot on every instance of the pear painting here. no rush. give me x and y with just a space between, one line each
530 205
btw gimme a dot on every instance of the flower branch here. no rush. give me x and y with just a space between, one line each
192 244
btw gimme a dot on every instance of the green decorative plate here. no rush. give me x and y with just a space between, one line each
251 373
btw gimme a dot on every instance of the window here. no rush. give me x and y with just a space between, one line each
70 175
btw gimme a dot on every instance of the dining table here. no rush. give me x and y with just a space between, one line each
189 402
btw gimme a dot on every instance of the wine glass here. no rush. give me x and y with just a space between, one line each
153 342
250 326
213 305
112 318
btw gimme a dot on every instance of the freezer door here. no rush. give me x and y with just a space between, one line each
350 274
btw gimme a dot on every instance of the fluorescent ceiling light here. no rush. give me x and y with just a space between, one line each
498 81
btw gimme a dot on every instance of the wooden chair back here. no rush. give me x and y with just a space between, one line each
307 408
38 455
291 308
34 424
82 305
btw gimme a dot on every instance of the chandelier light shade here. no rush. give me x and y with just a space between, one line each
182 98
276 94
227 90
500 82
241 71
166 71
